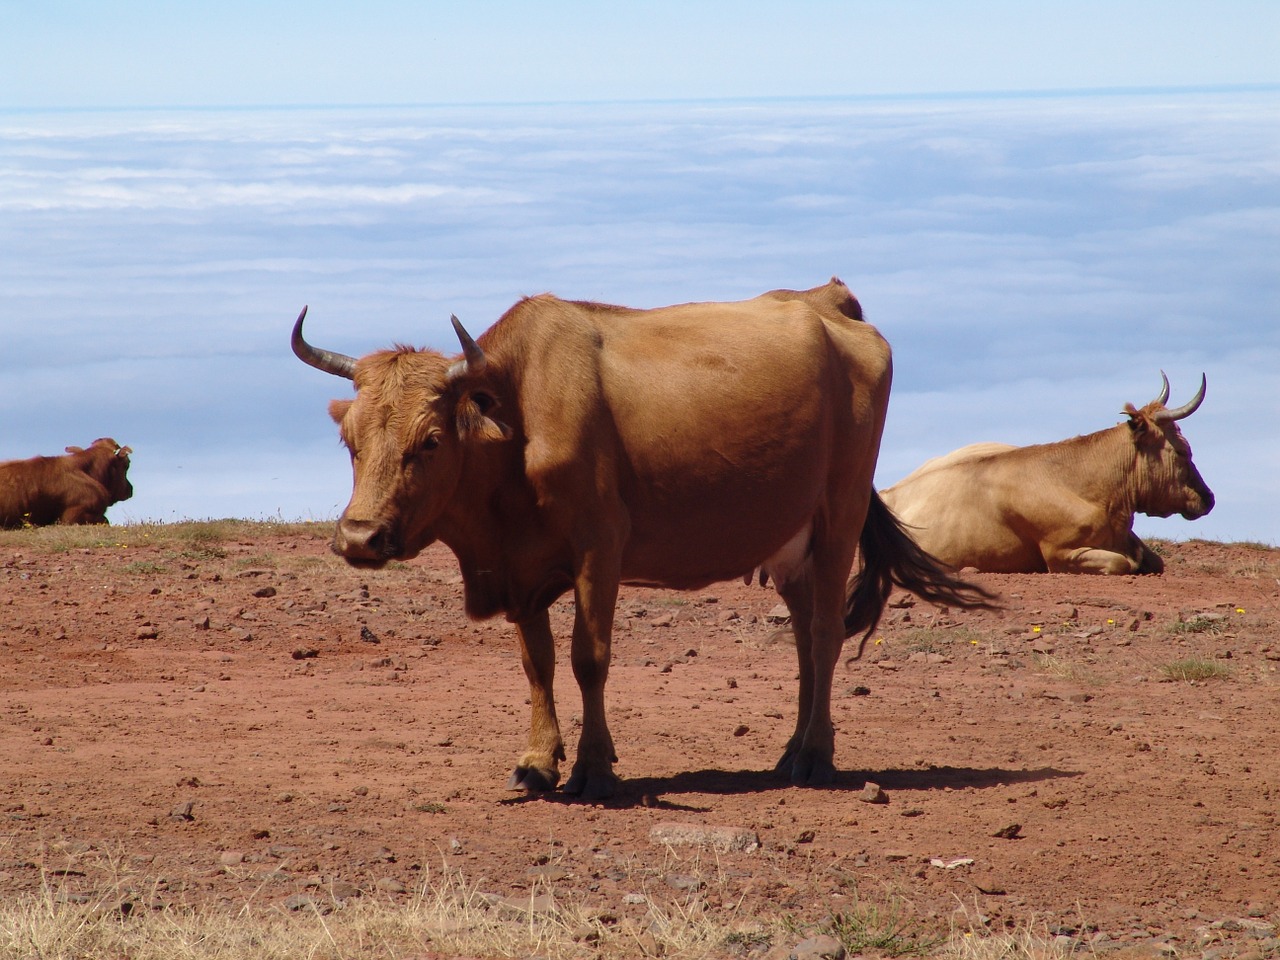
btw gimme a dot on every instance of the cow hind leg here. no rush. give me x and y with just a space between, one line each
818 624
538 770
796 594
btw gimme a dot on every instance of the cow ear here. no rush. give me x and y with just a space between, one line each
474 422
75 449
1140 425
338 409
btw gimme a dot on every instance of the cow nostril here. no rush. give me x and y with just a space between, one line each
363 540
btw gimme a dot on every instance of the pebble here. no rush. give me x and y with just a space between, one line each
183 811
391 885
303 901
343 890
871 793
740 839
821 947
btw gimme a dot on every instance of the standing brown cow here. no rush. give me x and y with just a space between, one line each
75 488
578 446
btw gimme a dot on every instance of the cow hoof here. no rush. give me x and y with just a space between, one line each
810 771
785 764
533 780
591 786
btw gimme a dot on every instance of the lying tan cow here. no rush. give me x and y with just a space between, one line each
1062 507
75 488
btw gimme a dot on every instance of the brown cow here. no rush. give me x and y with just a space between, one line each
75 488
578 446
1062 507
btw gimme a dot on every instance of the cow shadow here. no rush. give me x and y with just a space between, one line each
662 792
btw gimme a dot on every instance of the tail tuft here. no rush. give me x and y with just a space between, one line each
890 557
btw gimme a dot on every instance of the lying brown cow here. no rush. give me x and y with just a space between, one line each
75 488
1062 507
577 446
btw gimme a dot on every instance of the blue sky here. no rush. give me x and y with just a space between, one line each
77 53
1035 259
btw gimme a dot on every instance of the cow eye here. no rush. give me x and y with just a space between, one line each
484 403
430 443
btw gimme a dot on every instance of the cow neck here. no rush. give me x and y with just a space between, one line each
1101 467
510 564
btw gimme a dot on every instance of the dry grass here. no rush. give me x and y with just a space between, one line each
199 536
1195 668
448 917
1066 669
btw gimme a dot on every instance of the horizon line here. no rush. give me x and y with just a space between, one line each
957 95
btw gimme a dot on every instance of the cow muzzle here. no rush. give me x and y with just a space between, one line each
1199 506
365 543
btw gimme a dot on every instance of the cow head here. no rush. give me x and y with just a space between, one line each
1168 482
417 420
108 463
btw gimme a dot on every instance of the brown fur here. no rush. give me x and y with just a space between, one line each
1065 507
595 445
74 489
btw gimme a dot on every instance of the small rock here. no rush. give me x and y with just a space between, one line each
1011 832
779 614
305 653
682 882
343 890
871 793
821 947
147 633
183 811
302 901
367 635
265 592
523 906
391 885
230 858
718 838
741 730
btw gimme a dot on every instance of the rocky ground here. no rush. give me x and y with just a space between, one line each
228 714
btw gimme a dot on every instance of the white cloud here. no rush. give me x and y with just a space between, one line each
1035 263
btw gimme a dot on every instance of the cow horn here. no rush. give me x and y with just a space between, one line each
1188 408
474 356
1163 396
340 365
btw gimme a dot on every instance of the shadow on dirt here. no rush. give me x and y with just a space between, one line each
657 791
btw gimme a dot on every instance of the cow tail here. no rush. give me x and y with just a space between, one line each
890 557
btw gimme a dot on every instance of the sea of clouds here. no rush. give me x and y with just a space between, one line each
1035 262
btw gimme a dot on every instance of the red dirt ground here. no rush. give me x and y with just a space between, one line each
326 724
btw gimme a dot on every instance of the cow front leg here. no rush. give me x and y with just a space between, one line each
593 777
1091 560
539 769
